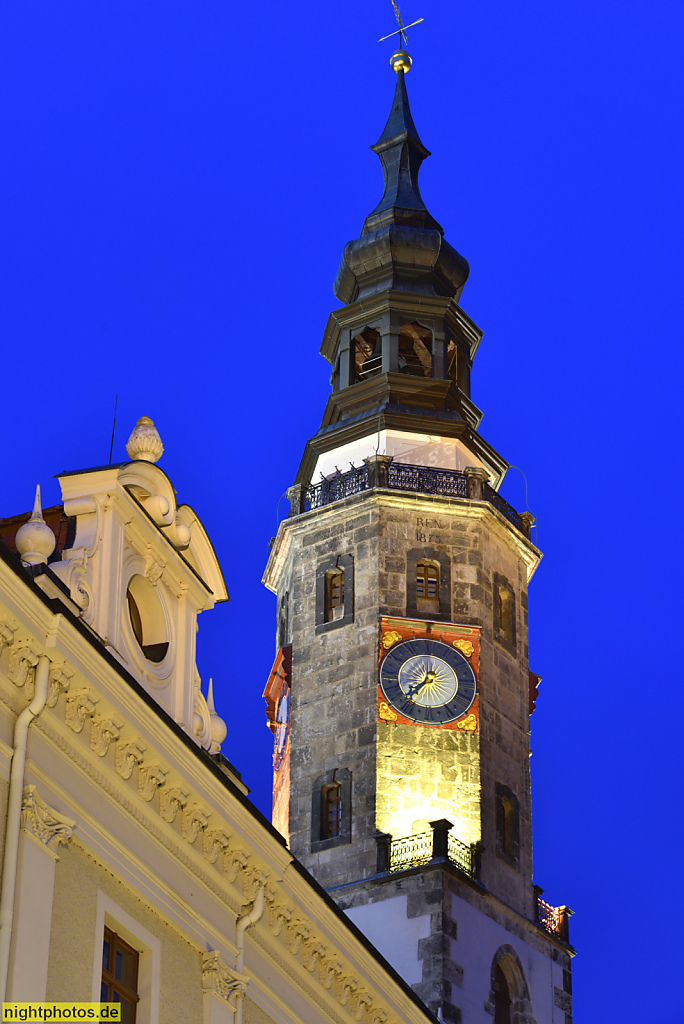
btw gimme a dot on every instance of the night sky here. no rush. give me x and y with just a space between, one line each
177 183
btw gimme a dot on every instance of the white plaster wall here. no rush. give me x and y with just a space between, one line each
394 934
414 449
479 937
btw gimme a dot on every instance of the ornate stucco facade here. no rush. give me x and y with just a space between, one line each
125 816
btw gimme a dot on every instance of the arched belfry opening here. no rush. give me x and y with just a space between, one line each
415 351
367 354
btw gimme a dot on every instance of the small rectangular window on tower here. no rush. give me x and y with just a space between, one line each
427 586
334 595
504 612
332 811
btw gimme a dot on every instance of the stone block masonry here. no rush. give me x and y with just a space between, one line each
400 771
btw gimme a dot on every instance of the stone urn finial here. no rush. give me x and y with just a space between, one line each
35 541
145 442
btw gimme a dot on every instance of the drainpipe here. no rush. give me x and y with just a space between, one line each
16 791
243 923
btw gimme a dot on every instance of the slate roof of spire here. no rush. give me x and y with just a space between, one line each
401 153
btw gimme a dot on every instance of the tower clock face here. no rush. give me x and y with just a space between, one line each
427 681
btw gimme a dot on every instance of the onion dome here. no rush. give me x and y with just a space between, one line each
35 541
145 443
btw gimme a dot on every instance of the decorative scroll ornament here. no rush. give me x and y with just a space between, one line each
195 817
42 821
58 682
225 981
6 635
465 647
385 712
314 953
213 843
129 753
390 639
296 933
151 776
22 666
234 860
80 704
106 729
279 915
360 1002
329 972
172 801
253 879
467 724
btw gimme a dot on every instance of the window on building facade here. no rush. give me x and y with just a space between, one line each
334 595
332 811
427 586
120 975
504 612
331 805
147 619
507 825
502 998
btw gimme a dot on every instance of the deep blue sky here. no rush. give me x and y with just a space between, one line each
177 183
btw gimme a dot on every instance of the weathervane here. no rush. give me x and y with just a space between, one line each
400 60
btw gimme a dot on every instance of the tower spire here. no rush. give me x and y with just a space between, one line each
401 153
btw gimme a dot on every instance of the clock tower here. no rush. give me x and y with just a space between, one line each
401 693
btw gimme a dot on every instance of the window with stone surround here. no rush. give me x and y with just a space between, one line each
428 584
120 975
331 809
502 997
284 637
507 825
334 593
504 612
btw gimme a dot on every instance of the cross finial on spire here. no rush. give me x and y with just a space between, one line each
400 60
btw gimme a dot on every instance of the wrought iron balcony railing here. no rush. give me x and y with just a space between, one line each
417 850
555 920
382 471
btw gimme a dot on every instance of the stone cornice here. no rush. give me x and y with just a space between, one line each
431 504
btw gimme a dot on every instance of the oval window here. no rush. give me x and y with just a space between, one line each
147 619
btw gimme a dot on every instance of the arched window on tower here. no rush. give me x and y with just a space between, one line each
334 594
415 351
367 354
502 998
427 586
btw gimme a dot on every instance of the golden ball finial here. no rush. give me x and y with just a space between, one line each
400 61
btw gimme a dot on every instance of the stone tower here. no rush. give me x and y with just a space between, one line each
401 694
